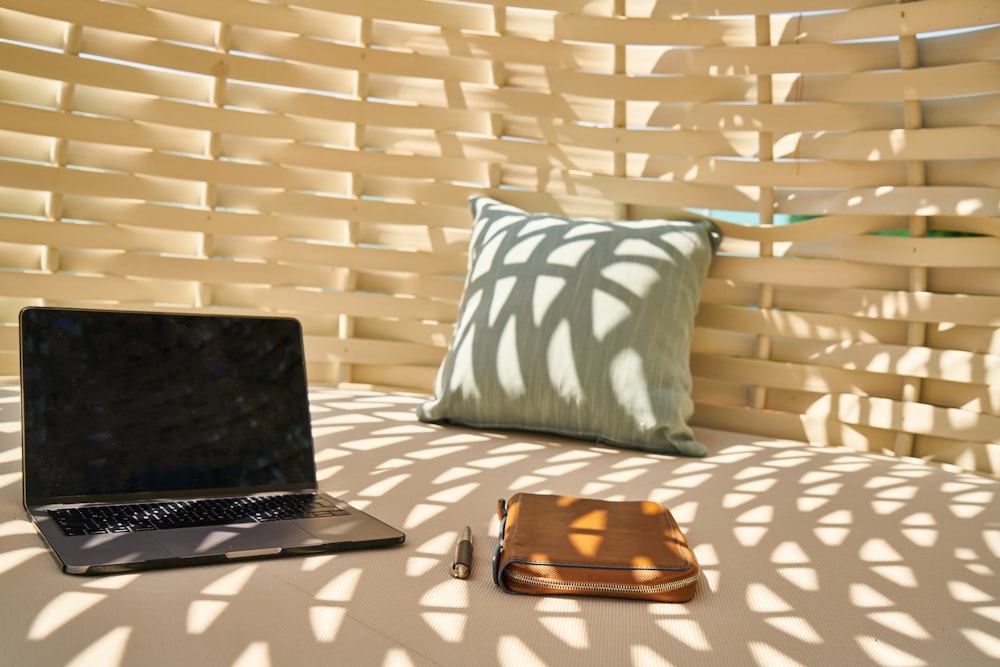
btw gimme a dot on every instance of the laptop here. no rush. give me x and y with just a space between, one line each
159 440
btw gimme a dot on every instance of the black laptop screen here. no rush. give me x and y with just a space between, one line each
154 404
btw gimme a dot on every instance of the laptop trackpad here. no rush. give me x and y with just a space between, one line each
252 539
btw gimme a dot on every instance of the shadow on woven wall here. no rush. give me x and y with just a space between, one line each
875 313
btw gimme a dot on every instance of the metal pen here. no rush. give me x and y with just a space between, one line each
461 565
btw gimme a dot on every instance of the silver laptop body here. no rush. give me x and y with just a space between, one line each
138 417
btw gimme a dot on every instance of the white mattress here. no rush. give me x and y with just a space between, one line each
811 556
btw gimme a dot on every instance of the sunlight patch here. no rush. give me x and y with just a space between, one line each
562 365
638 279
421 513
826 490
991 538
326 622
665 496
882 653
838 517
384 486
623 476
547 289
513 652
231 583
789 553
314 563
522 252
587 228
487 255
797 627
61 610
685 512
900 622
922 537
454 474
538 225
558 605
608 312
14 558
526 481
765 654
328 473
645 655
115 583
397 657
454 494
371 444
687 632
463 376
637 247
901 575
749 536
418 566
502 292
757 486
508 362
571 254
449 594
628 381
571 631
763 600
960 511
688 481
452 439
809 504
962 591
761 514
341 588
832 537
108 650
202 614
256 654
877 550
574 455
9 479
907 492
988 644
394 464
448 626
866 597
805 578
496 462
469 311
733 500
439 544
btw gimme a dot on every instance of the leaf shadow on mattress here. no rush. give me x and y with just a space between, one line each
810 556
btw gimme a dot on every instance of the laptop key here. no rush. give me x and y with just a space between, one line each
183 514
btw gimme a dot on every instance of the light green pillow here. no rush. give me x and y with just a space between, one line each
576 327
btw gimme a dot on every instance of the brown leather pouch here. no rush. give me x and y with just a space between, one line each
560 545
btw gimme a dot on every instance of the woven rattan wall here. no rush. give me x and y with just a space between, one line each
314 158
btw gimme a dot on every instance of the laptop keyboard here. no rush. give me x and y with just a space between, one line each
100 519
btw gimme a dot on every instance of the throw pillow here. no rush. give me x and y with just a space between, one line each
576 327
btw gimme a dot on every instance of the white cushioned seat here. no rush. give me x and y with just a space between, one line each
811 556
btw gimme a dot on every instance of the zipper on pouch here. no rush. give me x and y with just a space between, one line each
606 588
